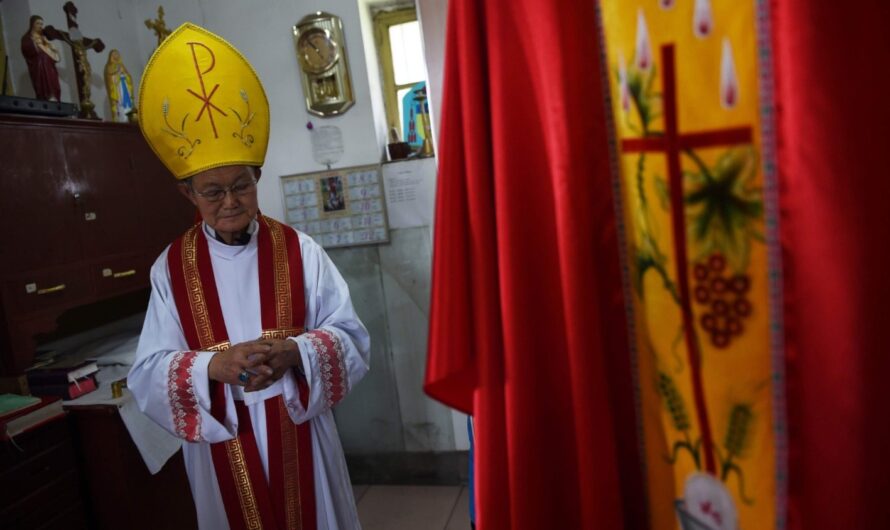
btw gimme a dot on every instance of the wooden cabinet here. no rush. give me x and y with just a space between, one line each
121 491
39 480
87 208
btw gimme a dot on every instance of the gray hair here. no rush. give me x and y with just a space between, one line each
187 182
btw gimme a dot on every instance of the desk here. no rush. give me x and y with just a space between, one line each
121 491
39 480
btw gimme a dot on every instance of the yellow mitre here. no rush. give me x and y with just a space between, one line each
202 105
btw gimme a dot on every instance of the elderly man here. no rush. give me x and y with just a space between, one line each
250 336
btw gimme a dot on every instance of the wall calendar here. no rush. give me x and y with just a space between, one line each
338 207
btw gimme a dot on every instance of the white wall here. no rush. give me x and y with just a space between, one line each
433 15
372 65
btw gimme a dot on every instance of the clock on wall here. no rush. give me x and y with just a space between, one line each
324 69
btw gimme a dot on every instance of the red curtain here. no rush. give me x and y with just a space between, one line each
528 328
832 73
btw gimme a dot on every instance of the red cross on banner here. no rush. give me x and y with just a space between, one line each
672 144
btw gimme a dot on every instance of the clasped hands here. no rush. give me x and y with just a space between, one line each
264 361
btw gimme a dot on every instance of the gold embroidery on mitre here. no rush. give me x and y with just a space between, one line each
184 150
214 110
246 139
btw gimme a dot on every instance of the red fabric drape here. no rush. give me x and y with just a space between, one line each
528 327
832 72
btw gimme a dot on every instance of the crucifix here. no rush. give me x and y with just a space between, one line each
79 46
159 26
673 143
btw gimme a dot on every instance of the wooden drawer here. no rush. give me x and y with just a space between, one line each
48 289
31 443
43 468
72 518
39 507
39 480
121 274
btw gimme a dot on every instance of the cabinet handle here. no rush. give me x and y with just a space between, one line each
53 289
124 274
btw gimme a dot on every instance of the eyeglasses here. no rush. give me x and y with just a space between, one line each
238 189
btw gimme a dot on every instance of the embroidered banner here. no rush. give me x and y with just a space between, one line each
685 83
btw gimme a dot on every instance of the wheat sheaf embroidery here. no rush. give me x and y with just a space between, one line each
184 150
246 139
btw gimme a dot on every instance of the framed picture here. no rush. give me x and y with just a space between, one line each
339 207
333 198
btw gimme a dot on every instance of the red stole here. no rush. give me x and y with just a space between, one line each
287 500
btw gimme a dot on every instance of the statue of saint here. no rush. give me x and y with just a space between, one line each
119 85
41 57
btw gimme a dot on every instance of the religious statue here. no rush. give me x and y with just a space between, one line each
423 115
79 46
119 86
158 26
41 57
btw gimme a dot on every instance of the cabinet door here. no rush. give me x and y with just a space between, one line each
171 214
127 200
102 172
38 204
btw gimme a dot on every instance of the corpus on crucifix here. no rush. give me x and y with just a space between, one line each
159 26
79 46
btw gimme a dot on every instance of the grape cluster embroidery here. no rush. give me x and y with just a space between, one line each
724 296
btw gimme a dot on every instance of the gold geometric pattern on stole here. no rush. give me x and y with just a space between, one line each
194 287
280 333
291 480
219 346
280 273
246 497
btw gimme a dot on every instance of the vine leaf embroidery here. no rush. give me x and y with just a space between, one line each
648 254
724 207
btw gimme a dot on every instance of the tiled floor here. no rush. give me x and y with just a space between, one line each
413 507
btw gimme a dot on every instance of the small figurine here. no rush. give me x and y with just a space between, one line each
158 26
41 57
79 46
119 85
423 115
